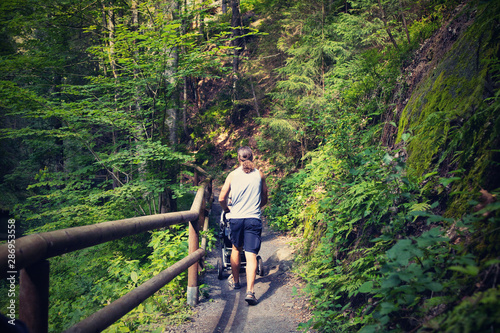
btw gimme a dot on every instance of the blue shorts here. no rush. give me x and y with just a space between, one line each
246 233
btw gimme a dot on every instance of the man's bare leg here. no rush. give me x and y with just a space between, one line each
251 269
235 263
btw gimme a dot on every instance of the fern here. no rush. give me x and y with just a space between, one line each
420 206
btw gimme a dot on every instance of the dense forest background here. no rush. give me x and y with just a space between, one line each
376 122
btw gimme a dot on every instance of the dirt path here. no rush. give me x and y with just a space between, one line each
222 309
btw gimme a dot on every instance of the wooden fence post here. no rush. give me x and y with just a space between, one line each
194 244
34 296
192 288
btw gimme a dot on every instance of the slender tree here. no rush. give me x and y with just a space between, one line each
387 27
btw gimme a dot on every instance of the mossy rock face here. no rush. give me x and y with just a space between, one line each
452 125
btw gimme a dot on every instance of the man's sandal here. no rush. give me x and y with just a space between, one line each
250 298
232 284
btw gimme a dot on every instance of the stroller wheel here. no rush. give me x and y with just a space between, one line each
220 269
260 266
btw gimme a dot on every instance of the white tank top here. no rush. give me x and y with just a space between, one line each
245 194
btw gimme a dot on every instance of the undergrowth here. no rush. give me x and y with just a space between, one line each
378 256
388 244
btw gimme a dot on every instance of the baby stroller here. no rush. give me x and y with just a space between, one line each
224 263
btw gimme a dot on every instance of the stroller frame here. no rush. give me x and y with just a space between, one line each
224 262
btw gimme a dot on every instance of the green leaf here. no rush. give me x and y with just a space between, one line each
391 282
430 237
430 174
446 181
369 329
387 159
469 269
491 262
387 307
435 286
401 252
366 287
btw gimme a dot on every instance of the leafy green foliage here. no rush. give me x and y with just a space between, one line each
87 280
480 311
168 247
378 251
379 284
85 93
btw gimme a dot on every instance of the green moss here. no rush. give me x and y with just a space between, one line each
442 112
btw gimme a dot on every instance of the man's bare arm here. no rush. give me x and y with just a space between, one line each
224 193
263 192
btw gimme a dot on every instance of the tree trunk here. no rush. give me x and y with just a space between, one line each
237 43
185 80
404 21
135 26
185 107
387 28
167 203
110 24
173 111
109 21
256 104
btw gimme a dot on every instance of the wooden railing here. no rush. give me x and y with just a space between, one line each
32 252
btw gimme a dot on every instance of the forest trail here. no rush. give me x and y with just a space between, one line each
222 309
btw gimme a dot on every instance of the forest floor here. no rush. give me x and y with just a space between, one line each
281 308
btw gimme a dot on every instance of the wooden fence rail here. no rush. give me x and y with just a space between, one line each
32 252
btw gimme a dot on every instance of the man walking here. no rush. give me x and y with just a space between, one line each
246 188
